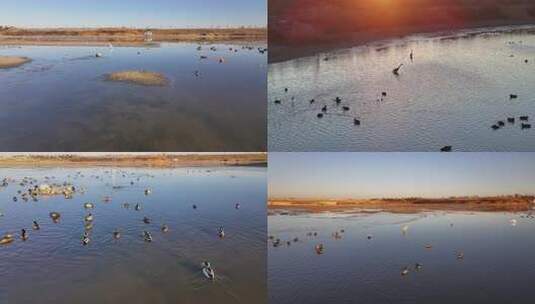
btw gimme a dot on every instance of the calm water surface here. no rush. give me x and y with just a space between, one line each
497 266
456 88
52 266
60 101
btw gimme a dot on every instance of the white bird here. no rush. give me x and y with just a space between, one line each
513 222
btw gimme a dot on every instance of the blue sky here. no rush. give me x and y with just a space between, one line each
134 13
377 175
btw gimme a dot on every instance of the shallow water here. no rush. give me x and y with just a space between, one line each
52 266
61 102
452 94
497 266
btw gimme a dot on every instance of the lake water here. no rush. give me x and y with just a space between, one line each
52 266
497 266
61 102
456 88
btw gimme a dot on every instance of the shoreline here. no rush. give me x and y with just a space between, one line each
292 51
515 203
123 160
126 37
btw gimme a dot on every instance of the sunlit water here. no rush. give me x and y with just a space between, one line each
61 102
452 94
52 266
497 266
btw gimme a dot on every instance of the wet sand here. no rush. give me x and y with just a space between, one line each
298 30
11 61
125 36
515 203
124 160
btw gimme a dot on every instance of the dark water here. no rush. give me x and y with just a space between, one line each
457 87
60 101
52 266
497 266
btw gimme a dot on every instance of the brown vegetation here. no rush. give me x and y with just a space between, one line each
139 77
410 205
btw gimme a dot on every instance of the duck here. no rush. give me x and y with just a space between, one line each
405 271
338 100
319 249
524 118
165 228
513 96
312 101
345 108
148 191
526 126
85 239
428 246
460 255
116 234
356 122
88 226
208 272
221 232
396 70
89 217
510 119
383 94
137 207
194 206
237 206
35 226
6 239
24 234
320 115
324 109
146 220
89 206
404 229
98 55
55 216
418 266
495 127
369 237
501 123
446 149
147 236
277 101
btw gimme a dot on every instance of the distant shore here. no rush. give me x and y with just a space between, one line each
516 203
125 36
299 29
125 160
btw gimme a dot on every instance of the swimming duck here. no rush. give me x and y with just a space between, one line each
356 122
89 206
98 55
277 101
404 229
418 266
513 96
85 239
138 207
428 246
524 118
396 70
147 236
35 226
513 222
221 232
88 226
511 119
446 149
148 191
312 101
495 127
405 271
324 109
55 216
526 126
6 239
194 206
345 108
165 228
126 205
116 234
23 234
15 198
369 237
146 220
237 206
319 249
88 218
501 123
208 272
320 115
460 255
338 100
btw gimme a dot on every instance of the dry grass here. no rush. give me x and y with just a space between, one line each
139 77
12 61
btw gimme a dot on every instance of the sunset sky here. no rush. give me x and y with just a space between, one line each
133 13
382 175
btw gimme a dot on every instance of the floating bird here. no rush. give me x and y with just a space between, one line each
137 207
165 228
418 266
396 70
513 222
513 96
85 239
35 226
55 216
460 255
312 101
147 236
511 119
345 108
405 271
446 149
356 122
6 239
146 220
526 126
324 109
338 100
404 229
320 115
98 55
277 101
495 127
23 234
148 191
89 206
194 206
116 234
88 218
207 270
237 206
221 232
524 118
319 249
501 123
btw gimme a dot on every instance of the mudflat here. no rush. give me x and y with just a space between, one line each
12 61
409 205
139 77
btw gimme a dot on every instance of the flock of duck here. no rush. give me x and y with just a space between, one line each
261 50
396 72
319 248
35 191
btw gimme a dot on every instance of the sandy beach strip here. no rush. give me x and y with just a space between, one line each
513 203
12 61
